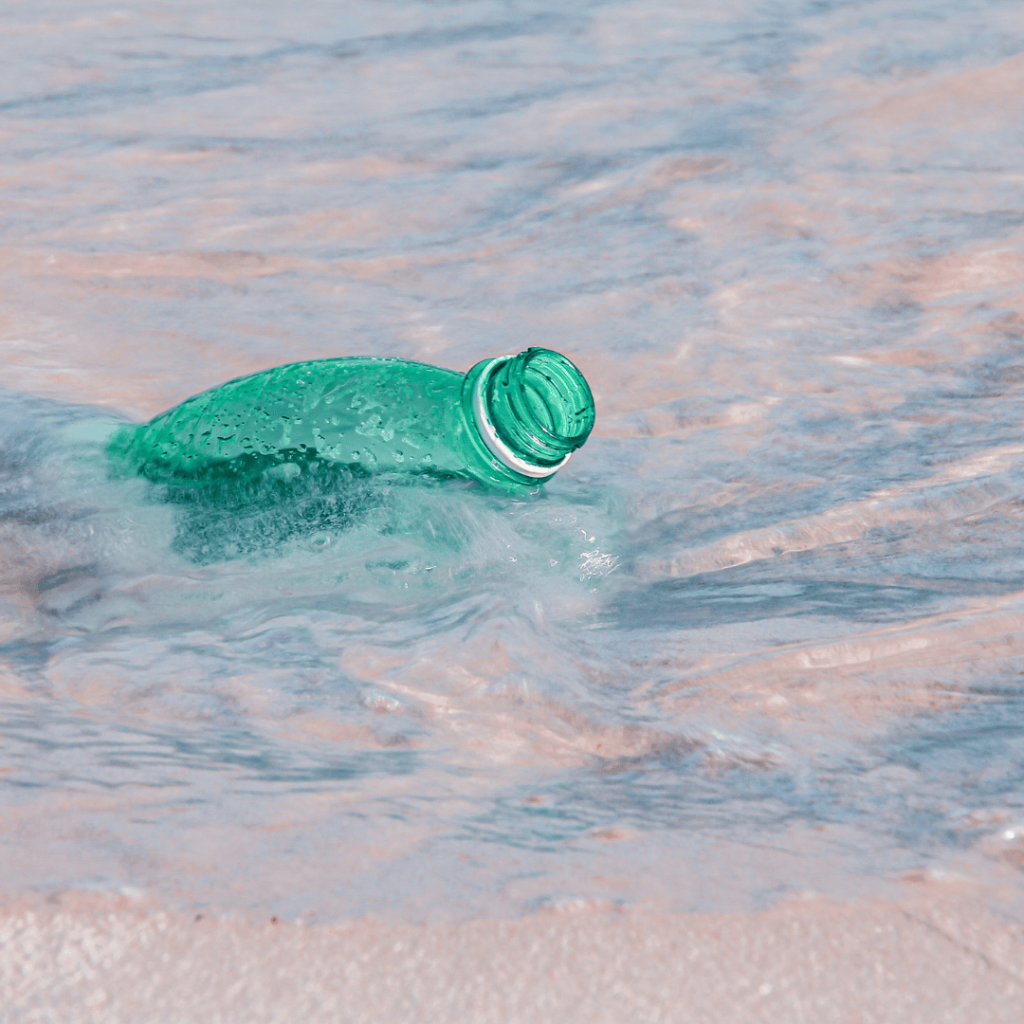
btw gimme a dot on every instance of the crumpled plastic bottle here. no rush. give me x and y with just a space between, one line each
510 422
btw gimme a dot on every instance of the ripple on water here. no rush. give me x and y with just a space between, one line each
762 634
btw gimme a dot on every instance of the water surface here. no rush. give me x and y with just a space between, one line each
760 638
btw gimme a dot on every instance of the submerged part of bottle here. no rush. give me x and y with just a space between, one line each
512 421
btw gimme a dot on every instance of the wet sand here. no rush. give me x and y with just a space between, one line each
929 959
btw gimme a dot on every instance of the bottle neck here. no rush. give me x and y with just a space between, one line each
531 410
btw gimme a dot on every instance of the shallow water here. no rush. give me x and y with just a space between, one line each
759 638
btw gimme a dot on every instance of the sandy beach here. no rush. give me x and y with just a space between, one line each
926 960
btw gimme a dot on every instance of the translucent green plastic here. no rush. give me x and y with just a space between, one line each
510 422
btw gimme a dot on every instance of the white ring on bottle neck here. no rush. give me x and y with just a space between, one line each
495 445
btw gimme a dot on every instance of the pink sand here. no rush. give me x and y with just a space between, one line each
927 959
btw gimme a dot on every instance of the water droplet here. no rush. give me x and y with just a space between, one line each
320 541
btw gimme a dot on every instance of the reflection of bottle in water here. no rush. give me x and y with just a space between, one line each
512 422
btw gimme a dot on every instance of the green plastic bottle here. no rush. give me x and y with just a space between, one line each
511 422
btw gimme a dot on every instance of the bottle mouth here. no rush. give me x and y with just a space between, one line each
533 410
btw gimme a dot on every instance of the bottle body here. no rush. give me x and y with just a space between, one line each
369 415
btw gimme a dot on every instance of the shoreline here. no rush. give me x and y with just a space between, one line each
93 958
